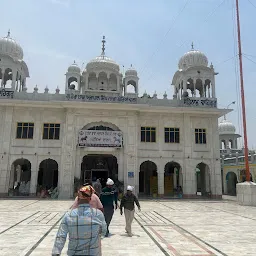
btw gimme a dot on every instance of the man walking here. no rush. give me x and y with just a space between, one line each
98 188
127 203
84 225
107 197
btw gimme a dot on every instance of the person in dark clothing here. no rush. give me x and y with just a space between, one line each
107 197
127 203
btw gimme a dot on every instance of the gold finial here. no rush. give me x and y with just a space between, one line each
103 46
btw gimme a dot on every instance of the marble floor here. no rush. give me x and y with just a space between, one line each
168 227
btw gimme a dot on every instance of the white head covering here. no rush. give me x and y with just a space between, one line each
110 182
129 188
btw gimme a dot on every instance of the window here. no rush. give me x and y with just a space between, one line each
25 131
148 134
51 132
200 136
172 135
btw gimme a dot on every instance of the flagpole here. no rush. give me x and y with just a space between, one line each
246 158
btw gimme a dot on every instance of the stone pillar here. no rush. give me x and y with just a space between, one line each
213 89
34 175
2 82
203 83
175 178
86 82
185 87
121 166
160 180
5 165
194 83
14 78
66 171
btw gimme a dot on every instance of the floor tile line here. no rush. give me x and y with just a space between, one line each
29 204
18 223
232 213
214 248
152 238
169 246
43 237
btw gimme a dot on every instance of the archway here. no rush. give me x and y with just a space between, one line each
47 175
172 178
148 183
203 179
231 180
20 177
99 167
72 83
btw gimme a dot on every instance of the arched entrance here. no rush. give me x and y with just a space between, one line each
47 175
172 178
231 180
203 179
99 167
19 184
148 183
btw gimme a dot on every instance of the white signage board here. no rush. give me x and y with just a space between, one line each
94 138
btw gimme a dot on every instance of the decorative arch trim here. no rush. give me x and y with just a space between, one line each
104 124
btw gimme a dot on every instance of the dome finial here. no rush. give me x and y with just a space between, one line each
192 46
74 62
9 33
103 46
131 65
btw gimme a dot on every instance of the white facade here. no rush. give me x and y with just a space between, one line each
97 96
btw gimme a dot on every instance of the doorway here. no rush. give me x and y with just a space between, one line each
99 167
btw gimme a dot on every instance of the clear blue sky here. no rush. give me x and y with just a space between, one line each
152 35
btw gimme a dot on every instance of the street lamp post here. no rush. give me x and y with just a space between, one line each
233 102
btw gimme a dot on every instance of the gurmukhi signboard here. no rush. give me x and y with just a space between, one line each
6 93
101 98
92 138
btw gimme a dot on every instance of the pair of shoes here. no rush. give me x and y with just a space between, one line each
130 235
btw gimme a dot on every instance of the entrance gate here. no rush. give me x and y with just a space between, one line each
99 167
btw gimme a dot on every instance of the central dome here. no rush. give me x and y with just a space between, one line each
9 47
226 127
193 58
102 62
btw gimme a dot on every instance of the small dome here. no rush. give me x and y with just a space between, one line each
226 127
74 68
102 62
10 47
193 58
131 72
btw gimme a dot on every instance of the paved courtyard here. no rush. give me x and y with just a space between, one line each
202 228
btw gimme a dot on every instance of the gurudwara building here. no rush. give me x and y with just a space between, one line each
232 158
98 128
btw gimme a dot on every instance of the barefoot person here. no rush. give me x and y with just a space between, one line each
127 203
84 225
108 197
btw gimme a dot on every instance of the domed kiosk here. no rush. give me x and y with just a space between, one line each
13 70
228 136
194 77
